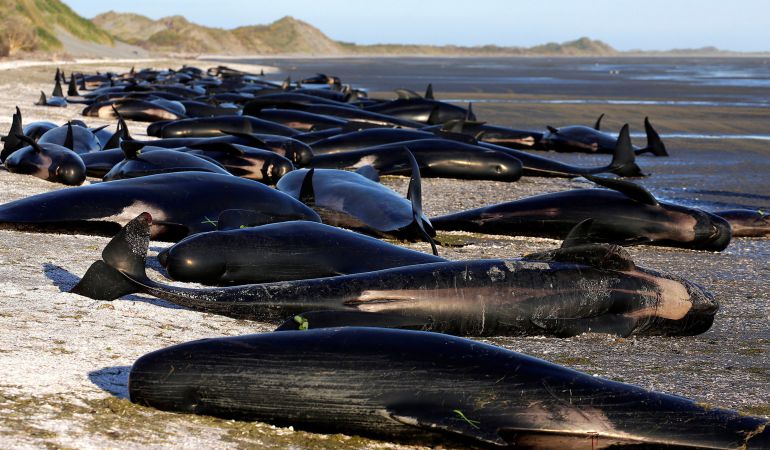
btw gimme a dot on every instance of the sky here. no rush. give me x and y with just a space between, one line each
741 25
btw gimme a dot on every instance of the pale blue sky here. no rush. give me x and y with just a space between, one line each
625 24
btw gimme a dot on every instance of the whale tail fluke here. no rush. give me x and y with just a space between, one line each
624 159
654 143
123 259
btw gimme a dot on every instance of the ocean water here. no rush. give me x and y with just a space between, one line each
706 169
741 80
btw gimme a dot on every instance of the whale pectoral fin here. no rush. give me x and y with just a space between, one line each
447 420
330 319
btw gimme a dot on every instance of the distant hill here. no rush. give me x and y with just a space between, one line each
50 26
178 35
34 25
291 36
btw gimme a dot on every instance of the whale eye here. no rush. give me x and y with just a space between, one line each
498 169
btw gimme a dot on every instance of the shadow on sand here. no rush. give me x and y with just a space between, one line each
112 379
66 280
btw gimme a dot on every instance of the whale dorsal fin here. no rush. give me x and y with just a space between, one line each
470 116
407 94
627 188
429 92
601 256
57 91
369 172
306 193
57 74
69 140
552 129
453 126
414 195
433 118
247 136
72 88
578 235
286 84
42 101
598 124
654 143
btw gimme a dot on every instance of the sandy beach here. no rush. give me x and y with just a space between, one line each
64 359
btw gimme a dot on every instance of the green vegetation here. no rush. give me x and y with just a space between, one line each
32 25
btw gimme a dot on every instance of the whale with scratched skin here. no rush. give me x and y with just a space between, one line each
563 292
425 388
624 213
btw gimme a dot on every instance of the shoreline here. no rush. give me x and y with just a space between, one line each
64 359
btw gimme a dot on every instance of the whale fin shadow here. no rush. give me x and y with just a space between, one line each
112 379
60 277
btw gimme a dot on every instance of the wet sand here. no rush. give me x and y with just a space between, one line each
64 359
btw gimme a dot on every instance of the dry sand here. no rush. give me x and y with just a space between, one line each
64 359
